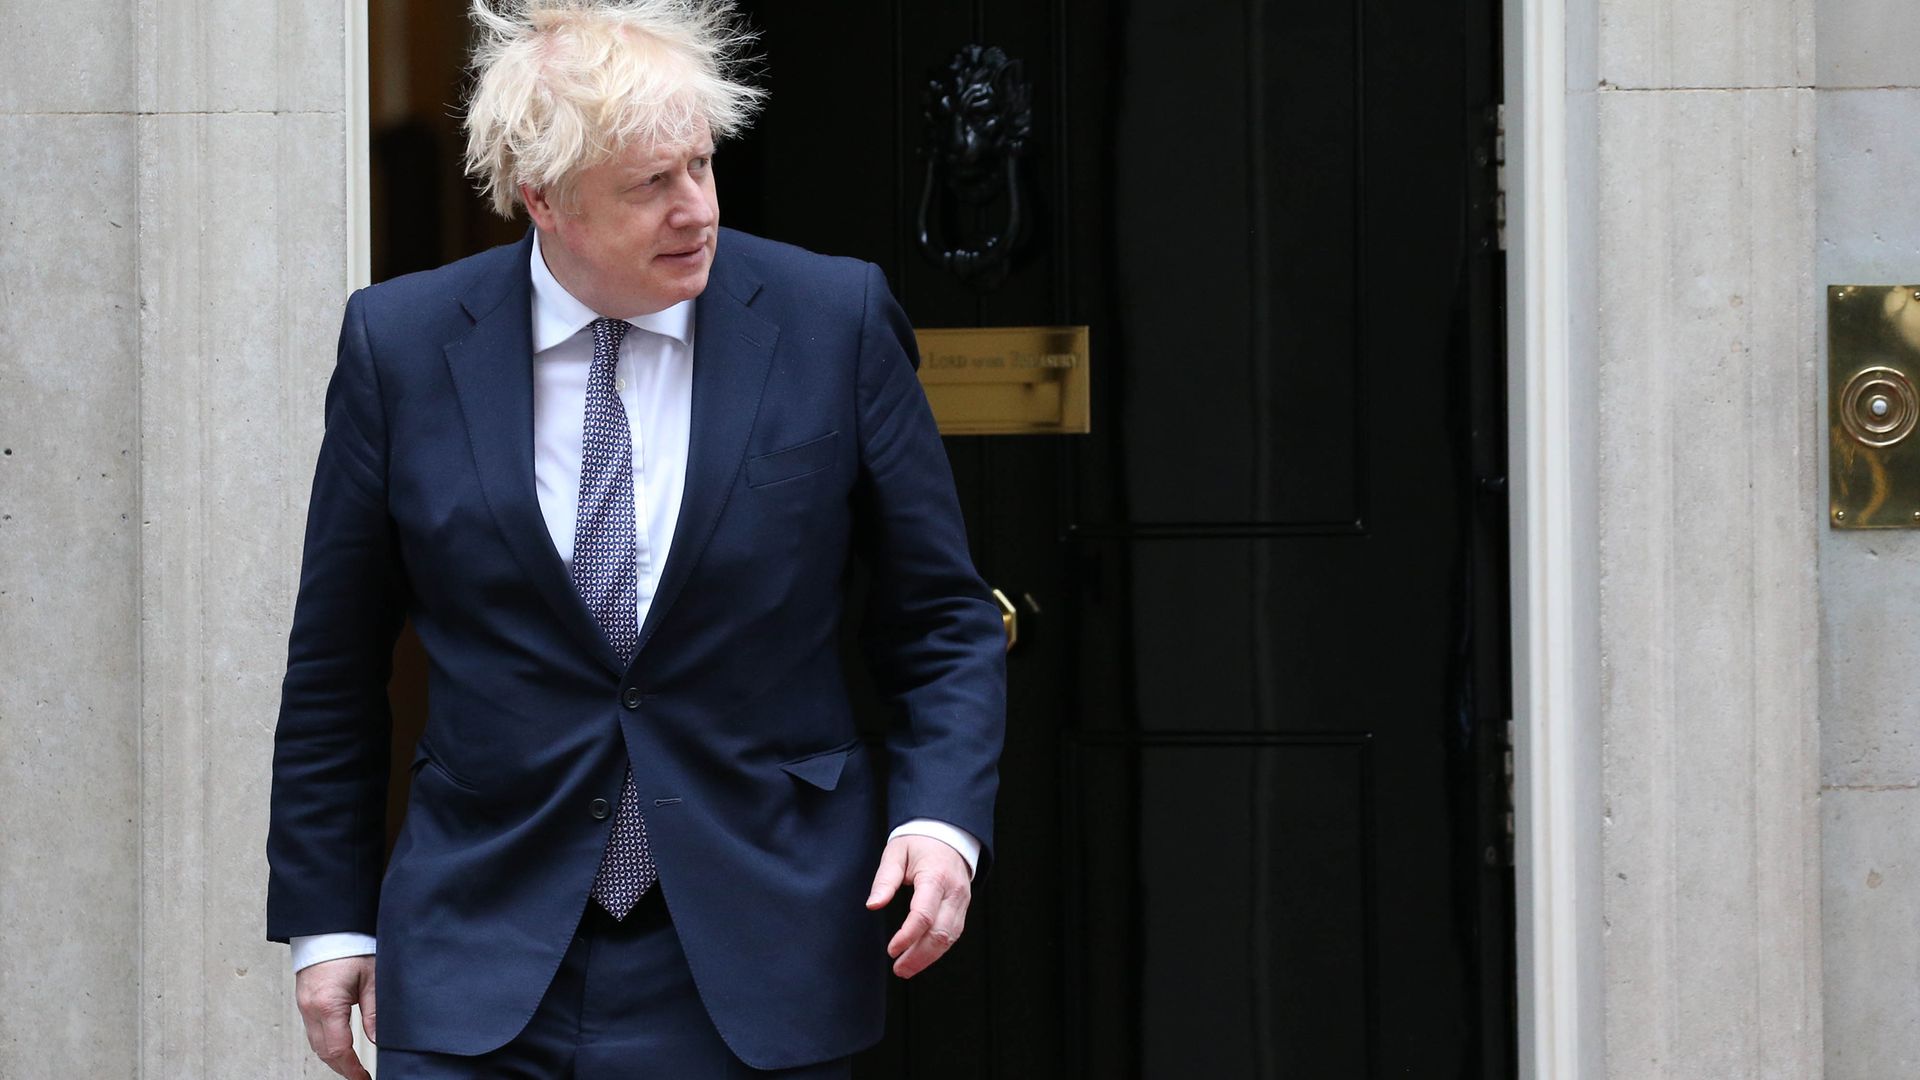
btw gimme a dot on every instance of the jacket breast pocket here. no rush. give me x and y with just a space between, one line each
793 462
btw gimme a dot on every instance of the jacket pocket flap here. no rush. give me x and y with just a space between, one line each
794 461
822 770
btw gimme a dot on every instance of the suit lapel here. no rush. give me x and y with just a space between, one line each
492 371
733 351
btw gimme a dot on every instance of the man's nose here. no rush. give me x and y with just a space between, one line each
692 208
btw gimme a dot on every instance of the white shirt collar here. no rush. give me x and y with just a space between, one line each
558 314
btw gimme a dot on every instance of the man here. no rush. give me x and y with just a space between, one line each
615 473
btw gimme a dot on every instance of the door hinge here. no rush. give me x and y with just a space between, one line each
1489 191
1507 769
1500 209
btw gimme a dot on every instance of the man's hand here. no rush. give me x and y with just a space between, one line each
942 888
326 993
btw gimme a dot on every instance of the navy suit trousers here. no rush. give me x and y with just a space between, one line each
623 1006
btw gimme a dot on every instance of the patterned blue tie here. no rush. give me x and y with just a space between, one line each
605 565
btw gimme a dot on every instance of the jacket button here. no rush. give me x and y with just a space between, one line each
598 808
631 699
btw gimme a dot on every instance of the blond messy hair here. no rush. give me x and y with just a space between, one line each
562 85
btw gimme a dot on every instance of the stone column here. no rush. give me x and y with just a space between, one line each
242 267
173 267
1708 453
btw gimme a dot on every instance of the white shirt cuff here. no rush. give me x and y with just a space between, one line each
314 949
954 836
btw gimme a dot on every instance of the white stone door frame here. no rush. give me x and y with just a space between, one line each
1556 757
1554 584
359 156
359 267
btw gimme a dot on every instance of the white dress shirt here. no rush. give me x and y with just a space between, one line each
654 378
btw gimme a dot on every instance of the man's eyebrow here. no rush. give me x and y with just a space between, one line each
659 165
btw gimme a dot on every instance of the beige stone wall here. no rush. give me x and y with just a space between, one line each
1869 229
1707 487
69 559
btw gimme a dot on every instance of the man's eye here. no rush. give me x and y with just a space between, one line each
702 162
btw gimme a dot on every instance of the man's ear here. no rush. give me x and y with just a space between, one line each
538 208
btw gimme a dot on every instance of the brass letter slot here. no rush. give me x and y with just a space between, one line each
1873 365
1007 380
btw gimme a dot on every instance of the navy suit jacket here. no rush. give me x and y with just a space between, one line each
811 440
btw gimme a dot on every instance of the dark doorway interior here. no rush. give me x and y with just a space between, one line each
1254 812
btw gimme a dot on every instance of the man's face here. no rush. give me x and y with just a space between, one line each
642 231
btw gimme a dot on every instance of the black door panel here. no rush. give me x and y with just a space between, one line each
1246 797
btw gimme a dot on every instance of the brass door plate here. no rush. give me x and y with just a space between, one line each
1007 380
1873 366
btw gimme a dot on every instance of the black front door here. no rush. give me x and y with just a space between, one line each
1252 817
1252 820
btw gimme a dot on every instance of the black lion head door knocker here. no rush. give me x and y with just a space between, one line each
979 119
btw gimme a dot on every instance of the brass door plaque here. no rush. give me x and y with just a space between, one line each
1007 380
1873 366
